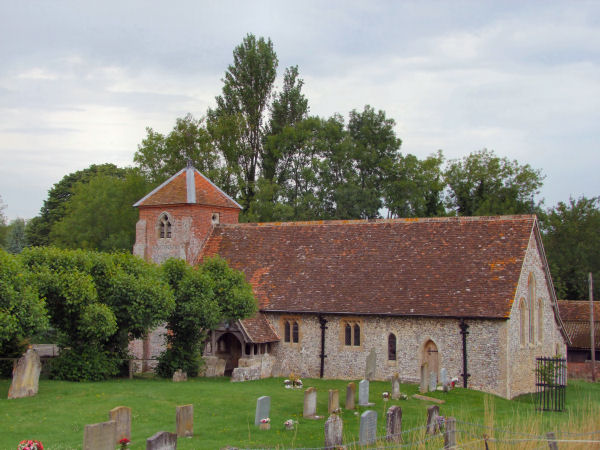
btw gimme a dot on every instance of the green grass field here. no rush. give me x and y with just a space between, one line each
224 411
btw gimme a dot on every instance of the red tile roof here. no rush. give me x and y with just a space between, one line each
457 267
259 329
576 317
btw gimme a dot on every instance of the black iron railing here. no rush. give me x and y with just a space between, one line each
551 383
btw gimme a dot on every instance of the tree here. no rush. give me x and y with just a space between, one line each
22 310
571 234
237 122
38 229
97 302
99 214
204 297
3 229
485 184
15 236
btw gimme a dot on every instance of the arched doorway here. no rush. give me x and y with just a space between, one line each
229 348
431 357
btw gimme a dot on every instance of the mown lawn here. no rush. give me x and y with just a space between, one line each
224 411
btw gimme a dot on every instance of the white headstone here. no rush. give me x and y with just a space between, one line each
26 376
363 393
395 387
263 409
432 381
371 365
368 427
333 431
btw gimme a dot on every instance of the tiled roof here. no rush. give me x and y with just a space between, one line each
576 317
259 329
188 186
456 267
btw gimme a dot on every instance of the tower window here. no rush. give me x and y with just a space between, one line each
164 227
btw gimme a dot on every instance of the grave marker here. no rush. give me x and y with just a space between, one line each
333 431
350 395
334 400
393 426
433 425
163 440
122 416
185 420
371 365
100 436
423 386
179 375
368 428
444 379
363 393
432 381
395 386
263 409
310 403
26 376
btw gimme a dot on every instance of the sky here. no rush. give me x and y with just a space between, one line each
81 81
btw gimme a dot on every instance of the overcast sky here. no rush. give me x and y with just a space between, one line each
80 81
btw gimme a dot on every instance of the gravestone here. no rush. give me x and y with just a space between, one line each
179 375
263 409
368 428
100 436
334 431
371 365
424 385
444 379
122 416
185 420
26 376
393 425
310 403
334 400
433 425
432 381
163 440
363 393
395 386
350 395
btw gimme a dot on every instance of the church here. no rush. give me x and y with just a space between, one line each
470 294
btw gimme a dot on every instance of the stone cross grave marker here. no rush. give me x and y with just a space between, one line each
395 386
122 416
310 403
179 375
432 381
424 385
363 393
368 428
350 395
185 420
26 376
444 379
100 436
371 365
334 431
433 425
163 440
263 409
393 426
334 400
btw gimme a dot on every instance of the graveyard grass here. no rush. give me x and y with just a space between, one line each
224 412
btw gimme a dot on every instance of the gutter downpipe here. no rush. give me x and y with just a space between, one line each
323 323
463 330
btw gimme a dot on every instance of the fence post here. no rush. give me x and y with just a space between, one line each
552 441
450 433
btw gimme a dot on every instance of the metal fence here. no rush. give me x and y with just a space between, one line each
551 383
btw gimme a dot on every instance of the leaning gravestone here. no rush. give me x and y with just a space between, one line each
424 384
433 425
334 400
395 386
371 365
393 427
263 409
310 403
350 395
100 436
163 440
179 375
122 416
26 376
185 420
444 379
368 428
363 393
432 381
333 431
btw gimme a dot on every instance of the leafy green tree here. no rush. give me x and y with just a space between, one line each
22 310
99 214
15 236
96 302
204 297
54 209
484 184
3 229
571 234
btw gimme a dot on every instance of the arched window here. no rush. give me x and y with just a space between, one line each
531 305
392 347
291 329
348 334
523 321
295 332
540 313
287 333
164 227
356 335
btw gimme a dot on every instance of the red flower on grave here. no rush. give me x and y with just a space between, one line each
124 442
